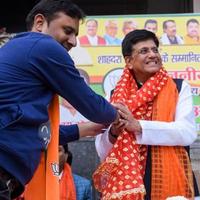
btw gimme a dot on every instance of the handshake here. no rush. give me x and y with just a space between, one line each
124 121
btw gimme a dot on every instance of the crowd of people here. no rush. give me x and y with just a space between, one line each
148 121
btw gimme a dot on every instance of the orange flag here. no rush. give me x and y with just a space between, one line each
45 182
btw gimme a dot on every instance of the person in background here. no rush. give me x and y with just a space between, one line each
35 67
170 36
129 26
111 29
91 38
145 156
68 114
193 32
82 188
151 25
4 36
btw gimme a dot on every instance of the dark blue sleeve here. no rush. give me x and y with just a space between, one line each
68 134
58 72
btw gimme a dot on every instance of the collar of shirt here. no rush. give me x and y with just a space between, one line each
93 40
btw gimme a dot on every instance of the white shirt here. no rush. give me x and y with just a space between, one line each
93 40
181 132
165 40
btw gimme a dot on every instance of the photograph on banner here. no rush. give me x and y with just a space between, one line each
173 29
100 40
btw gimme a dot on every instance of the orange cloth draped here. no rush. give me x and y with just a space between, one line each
67 187
121 175
45 182
171 167
189 40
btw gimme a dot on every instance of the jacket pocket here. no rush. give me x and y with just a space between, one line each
10 115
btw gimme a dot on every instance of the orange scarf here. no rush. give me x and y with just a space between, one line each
67 187
121 175
171 167
45 182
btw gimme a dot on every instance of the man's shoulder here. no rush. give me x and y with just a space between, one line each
81 180
100 37
46 46
83 187
101 40
32 36
83 37
163 36
44 41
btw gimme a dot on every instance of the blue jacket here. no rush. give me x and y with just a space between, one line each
83 188
34 67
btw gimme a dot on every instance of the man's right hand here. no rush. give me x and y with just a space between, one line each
126 120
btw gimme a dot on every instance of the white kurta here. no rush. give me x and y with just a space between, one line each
181 132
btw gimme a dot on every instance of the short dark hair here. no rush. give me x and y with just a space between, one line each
70 157
50 8
192 21
150 21
165 23
66 149
92 20
134 37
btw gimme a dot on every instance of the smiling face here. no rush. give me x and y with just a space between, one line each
170 29
151 27
145 60
62 28
128 27
193 29
91 28
111 28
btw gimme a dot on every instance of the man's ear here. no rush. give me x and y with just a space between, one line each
39 22
128 61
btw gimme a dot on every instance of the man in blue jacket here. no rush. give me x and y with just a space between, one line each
34 66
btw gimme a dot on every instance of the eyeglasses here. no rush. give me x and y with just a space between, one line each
146 50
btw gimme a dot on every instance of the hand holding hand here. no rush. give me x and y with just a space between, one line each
115 131
127 119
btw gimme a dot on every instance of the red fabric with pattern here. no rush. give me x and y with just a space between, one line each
120 176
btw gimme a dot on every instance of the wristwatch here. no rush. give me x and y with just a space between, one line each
113 135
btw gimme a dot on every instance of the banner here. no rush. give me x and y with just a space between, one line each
101 58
